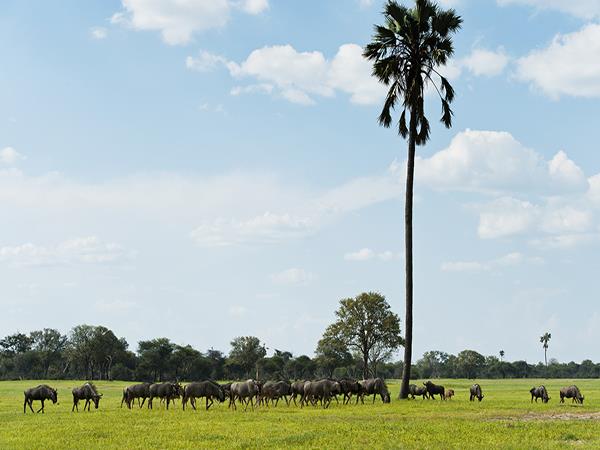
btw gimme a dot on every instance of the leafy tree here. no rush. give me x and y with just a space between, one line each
362 323
49 344
501 355
216 361
331 354
407 52
15 343
470 363
245 352
544 339
154 357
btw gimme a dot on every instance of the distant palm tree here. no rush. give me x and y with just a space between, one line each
544 340
407 52
501 355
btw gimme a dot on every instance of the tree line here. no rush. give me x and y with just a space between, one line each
96 353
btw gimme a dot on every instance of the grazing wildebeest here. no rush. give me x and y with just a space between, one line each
434 389
245 391
165 391
87 392
321 390
130 393
539 392
42 393
475 392
297 390
415 390
374 386
571 392
274 390
208 389
348 387
449 394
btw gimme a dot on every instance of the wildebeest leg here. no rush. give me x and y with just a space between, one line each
42 408
168 401
211 402
30 402
74 405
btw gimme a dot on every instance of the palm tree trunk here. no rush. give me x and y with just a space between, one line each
408 249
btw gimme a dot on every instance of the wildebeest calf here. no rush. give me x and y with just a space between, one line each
414 390
449 394
539 392
434 389
87 392
476 393
42 393
571 392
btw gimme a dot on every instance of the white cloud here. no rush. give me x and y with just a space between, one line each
584 9
10 156
509 260
366 254
267 228
483 62
506 216
495 161
293 277
566 241
204 62
594 191
98 33
79 250
179 20
565 67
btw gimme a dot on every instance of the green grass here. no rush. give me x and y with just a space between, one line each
505 419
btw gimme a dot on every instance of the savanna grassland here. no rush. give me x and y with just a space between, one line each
505 419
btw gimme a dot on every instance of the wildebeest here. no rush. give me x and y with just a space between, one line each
475 392
165 391
449 394
130 393
348 386
320 391
571 392
434 389
208 389
415 390
274 390
297 390
42 393
539 392
374 386
244 391
87 392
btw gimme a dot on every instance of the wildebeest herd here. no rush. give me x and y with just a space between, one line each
257 393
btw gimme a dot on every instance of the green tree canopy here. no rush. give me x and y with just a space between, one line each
245 352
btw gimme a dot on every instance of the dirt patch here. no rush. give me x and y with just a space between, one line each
558 416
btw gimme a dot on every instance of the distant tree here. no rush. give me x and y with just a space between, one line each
183 361
331 354
154 358
501 355
407 52
216 360
470 363
544 339
49 344
362 323
15 343
245 352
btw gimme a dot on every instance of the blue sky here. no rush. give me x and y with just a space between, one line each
216 169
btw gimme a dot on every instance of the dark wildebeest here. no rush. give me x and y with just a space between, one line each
571 392
244 391
475 392
87 392
297 390
374 386
348 387
415 390
274 390
42 393
130 393
208 389
165 391
449 394
434 389
539 392
321 390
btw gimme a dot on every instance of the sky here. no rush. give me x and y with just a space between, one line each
208 169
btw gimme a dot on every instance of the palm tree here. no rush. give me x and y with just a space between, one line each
544 340
407 52
501 355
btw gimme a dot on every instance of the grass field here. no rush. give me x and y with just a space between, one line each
505 419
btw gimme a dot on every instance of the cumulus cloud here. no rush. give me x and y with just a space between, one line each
509 260
583 9
484 62
293 277
98 33
496 161
506 216
565 67
366 254
9 156
79 250
178 21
